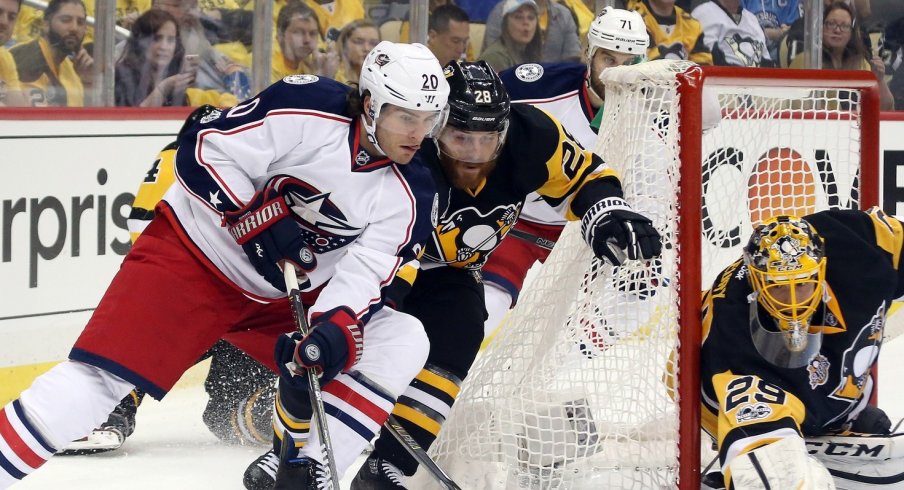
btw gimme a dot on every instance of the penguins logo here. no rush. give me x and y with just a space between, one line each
859 358
468 236
745 50
790 251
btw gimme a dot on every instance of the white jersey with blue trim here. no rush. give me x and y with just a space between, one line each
559 89
363 215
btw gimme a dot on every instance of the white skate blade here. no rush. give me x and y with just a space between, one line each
100 440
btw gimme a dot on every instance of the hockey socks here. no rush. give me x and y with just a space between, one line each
22 448
421 410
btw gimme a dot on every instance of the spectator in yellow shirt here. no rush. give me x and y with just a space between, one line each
336 13
54 69
674 34
298 39
10 90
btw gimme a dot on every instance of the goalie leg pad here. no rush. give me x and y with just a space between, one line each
862 462
781 464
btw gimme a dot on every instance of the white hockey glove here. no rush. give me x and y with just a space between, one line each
615 232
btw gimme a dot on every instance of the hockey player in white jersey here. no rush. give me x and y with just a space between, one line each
307 172
573 94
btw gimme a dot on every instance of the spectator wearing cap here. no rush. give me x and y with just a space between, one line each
520 41
558 31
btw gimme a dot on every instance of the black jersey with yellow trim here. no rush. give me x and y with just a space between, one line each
538 155
156 182
746 397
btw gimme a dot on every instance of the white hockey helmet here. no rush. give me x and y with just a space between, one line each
404 75
618 30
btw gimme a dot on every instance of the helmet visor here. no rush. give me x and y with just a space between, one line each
472 146
787 348
409 123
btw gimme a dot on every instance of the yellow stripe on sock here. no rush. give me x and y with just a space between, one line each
438 382
417 418
289 421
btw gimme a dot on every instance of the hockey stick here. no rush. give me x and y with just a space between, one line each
531 238
418 453
326 444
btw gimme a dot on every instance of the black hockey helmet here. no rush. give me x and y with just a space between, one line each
477 99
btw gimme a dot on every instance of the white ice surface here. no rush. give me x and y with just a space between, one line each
172 449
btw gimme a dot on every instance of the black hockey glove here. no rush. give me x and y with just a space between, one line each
871 420
334 344
615 232
267 231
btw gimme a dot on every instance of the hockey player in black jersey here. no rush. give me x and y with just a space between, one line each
490 156
790 333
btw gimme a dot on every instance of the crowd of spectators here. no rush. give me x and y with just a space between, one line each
186 53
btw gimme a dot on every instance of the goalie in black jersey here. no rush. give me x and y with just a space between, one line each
488 158
790 334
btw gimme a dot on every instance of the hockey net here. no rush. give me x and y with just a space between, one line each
592 380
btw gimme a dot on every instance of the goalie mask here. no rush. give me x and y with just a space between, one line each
786 265
479 109
407 76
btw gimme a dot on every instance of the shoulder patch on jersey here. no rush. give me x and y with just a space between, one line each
818 369
214 115
301 79
529 72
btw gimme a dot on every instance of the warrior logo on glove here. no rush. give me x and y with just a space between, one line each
616 233
316 225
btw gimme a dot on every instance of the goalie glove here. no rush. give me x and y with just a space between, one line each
268 233
333 345
615 232
871 420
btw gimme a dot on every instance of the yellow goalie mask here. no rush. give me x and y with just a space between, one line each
786 262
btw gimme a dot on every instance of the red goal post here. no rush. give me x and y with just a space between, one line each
592 381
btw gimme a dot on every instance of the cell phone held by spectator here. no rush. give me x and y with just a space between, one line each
190 64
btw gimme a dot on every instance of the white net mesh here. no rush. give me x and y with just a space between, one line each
574 391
